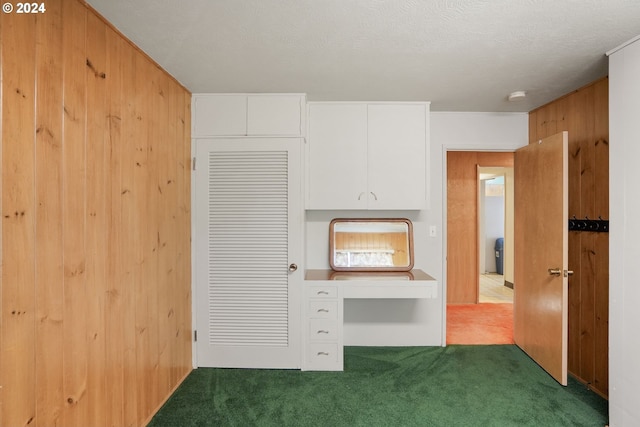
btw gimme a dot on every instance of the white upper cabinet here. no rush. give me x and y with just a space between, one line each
368 156
337 156
248 115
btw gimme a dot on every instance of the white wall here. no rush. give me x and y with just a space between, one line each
624 236
419 322
493 229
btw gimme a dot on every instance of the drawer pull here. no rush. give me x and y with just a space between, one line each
322 293
323 353
323 310
322 331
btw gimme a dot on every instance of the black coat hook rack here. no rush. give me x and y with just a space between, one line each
597 225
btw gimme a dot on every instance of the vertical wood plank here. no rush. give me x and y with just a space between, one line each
601 154
129 239
18 394
143 229
570 111
96 218
171 270
546 121
533 126
49 249
115 329
184 164
152 216
600 381
73 222
585 137
165 184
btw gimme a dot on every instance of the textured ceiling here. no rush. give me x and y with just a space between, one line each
462 55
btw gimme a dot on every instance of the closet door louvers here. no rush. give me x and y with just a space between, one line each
248 235
248 225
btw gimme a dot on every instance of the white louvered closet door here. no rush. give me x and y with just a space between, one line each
248 239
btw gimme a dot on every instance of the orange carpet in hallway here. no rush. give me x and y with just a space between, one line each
484 323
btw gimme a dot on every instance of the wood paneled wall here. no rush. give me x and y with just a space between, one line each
397 242
585 115
95 281
462 221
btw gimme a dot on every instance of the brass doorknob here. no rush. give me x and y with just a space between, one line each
555 271
559 272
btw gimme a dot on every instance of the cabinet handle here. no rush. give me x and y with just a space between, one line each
322 293
374 196
322 331
323 353
323 310
360 195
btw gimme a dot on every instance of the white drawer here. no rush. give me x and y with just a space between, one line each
319 353
323 330
322 309
322 292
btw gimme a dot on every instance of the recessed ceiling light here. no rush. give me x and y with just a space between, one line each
517 95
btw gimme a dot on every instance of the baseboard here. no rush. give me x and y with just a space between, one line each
588 385
508 284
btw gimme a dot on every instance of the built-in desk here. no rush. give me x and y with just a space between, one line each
324 294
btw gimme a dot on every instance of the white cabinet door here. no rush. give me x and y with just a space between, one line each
397 173
275 115
248 114
215 115
248 221
337 156
367 156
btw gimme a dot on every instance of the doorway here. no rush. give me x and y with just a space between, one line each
495 234
477 322
463 265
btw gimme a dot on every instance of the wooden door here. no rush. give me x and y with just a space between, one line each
248 240
541 253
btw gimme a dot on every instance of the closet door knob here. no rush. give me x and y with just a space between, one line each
293 267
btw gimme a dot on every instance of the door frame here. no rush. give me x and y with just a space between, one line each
445 150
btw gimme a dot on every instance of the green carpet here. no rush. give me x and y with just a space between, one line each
388 386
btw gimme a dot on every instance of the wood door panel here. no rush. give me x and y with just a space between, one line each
541 240
462 241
